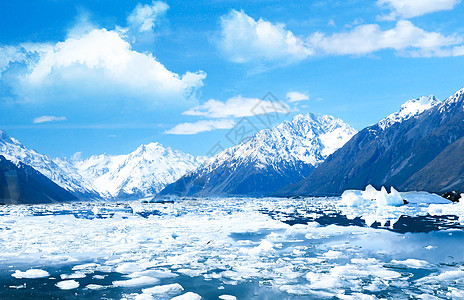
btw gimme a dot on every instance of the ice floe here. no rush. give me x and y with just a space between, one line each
32 273
314 247
67 284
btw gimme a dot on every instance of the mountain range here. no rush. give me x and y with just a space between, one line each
141 173
410 151
420 147
268 160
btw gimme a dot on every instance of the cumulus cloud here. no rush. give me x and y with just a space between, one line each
237 106
46 119
244 39
9 54
296 97
144 17
201 126
100 64
413 8
404 37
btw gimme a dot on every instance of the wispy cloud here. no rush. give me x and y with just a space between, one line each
201 126
237 106
48 119
406 9
296 97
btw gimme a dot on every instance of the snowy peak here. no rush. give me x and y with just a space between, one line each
142 172
408 110
268 160
458 96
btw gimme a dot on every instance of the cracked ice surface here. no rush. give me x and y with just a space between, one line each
278 248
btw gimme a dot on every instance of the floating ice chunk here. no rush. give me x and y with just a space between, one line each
68 284
227 297
95 287
332 254
354 198
370 193
174 288
263 248
154 273
127 268
411 263
138 281
73 276
144 297
424 198
187 296
32 273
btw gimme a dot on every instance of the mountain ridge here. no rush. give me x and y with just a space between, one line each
273 157
390 156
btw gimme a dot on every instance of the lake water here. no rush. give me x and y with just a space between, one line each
307 248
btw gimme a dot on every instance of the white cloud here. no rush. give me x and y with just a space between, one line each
244 40
144 17
295 97
404 37
46 119
237 106
201 126
9 54
413 8
101 63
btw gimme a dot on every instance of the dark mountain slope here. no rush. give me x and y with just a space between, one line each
24 185
394 155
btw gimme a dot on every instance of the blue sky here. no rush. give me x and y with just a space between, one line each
106 76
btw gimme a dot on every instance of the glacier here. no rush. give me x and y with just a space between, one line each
234 248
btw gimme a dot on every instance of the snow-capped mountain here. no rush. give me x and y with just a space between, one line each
418 148
409 109
22 184
61 171
143 172
268 160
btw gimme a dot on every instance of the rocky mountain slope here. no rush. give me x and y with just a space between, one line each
141 173
268 160
418 150
21 184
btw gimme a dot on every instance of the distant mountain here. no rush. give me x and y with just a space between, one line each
141 173
268 160
419 148
22 184
61 171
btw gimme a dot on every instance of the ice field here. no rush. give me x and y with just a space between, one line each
234 248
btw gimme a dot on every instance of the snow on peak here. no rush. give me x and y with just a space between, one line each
306 138
456 97
60 171
143 172
408 110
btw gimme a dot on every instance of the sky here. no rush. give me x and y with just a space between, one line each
79 78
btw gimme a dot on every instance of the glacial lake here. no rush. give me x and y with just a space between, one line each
221 248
